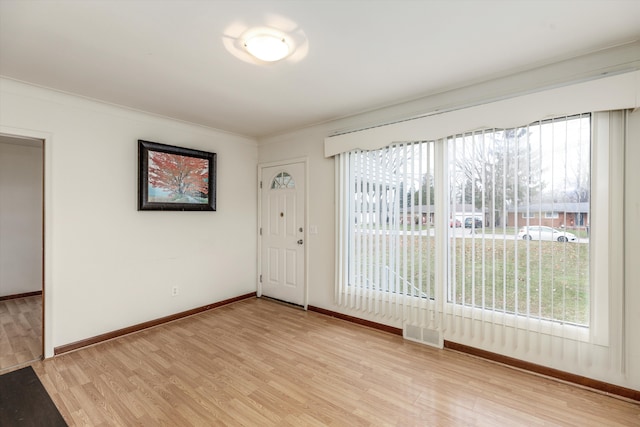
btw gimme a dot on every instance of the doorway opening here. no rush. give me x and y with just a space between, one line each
21 251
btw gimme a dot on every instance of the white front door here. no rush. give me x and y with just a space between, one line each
282 269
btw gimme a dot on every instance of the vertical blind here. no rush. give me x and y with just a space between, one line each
507 239
388 237
514 240
521 254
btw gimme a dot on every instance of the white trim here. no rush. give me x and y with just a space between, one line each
47 286
606 225
259 168
339 238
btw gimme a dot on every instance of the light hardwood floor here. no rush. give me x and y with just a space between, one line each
20 332
260 363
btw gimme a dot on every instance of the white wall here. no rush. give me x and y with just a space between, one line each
109 266
618 364
20 216
632 248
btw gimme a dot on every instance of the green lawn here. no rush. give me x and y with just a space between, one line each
552 276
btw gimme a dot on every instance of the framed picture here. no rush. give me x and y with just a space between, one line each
175 179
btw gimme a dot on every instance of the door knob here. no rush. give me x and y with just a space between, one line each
300 242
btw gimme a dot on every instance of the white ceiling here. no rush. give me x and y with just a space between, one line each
169 57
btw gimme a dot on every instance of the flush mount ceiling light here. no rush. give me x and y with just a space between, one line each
282 40
267 47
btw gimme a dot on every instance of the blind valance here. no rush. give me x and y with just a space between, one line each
615 92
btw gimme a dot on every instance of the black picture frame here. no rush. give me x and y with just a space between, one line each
173 178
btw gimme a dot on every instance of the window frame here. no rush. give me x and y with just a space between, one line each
606 248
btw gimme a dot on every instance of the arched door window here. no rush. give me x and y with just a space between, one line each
282 181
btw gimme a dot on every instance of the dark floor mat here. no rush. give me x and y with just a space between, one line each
25 402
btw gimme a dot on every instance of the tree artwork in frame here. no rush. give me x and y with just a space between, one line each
175 179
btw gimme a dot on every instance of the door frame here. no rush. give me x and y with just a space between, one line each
305 163
47 309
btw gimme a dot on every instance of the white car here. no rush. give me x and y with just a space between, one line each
541 232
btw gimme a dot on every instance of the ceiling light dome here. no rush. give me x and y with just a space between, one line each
267 47
281 41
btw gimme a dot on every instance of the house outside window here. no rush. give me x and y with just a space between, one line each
395 240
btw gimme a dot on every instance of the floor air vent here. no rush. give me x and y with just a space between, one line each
422 335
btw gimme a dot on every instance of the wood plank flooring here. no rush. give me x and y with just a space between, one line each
20 332
260 363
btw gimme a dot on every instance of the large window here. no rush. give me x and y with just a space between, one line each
522 260
477 205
